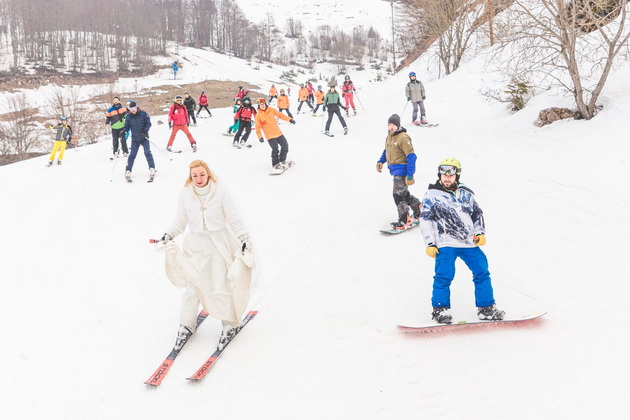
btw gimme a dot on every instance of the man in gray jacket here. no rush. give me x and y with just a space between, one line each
415 93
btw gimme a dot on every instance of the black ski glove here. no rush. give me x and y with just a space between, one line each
145 134
261 140
292 121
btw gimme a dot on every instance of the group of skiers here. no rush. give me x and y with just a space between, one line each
449 217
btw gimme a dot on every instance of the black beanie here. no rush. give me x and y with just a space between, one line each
394 119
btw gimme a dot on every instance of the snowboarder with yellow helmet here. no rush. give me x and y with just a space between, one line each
452 226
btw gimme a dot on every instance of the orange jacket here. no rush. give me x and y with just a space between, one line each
283 102
273 92
303 94
266 121
319 97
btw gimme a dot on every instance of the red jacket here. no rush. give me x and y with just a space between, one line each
203 99
347 88
245 113
178 115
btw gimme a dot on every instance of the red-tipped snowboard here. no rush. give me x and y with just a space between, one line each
517 321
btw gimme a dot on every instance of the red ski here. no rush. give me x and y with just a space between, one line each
160 373
205 368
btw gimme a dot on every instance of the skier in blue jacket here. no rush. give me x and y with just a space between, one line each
452 225
139 123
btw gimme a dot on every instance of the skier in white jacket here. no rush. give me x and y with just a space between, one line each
215 261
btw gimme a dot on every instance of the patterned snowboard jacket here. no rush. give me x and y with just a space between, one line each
450 218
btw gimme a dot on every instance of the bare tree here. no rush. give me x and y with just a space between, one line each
19 136
553 32
449 22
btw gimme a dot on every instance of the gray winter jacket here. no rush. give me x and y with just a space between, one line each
63 132
415 91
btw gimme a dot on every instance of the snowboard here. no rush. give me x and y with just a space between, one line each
393 231
284 168
477 324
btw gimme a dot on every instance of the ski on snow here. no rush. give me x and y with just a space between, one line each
160 373
208 364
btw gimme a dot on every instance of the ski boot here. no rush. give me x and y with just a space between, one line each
194 147
442 315
490 313
183 334
399 225
227 335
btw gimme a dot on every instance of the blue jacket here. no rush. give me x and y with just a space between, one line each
139 124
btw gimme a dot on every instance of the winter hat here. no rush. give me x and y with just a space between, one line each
133 106
394 119
178 98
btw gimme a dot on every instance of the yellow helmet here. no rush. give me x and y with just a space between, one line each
451 162
450 166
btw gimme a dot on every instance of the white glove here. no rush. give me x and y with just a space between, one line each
165 238
246 245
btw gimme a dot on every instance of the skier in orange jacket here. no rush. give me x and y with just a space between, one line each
266 123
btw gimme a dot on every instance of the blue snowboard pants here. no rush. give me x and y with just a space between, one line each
476 261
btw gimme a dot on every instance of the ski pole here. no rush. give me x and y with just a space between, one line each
162 151
359 99
406 103
114 168
157 241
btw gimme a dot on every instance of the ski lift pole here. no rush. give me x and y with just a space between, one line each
359 99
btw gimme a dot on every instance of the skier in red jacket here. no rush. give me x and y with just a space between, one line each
203 103
178 120
348 89
244 116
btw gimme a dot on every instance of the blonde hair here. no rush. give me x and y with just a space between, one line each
196 164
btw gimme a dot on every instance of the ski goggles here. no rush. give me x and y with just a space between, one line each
447 170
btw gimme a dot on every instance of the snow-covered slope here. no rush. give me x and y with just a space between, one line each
88 313
312 14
